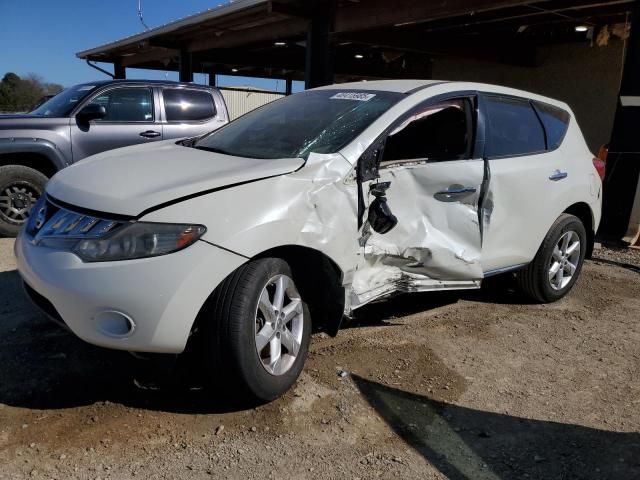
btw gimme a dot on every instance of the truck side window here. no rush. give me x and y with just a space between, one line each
184 105
513 128
127 104
438 132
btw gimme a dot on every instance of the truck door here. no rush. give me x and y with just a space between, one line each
131 119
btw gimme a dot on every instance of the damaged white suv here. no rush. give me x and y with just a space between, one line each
303 211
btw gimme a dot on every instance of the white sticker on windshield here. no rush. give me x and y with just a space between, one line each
360 97
86 87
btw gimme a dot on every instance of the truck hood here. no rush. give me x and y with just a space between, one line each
16 122
132 180
14 116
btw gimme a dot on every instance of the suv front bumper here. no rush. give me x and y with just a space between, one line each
160 297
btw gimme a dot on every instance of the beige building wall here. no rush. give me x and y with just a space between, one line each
586 77
240 102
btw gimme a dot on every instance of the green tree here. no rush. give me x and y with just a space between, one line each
21 94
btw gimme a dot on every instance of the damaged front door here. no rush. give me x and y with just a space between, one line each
421 227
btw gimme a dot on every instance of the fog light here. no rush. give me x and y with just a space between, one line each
115 324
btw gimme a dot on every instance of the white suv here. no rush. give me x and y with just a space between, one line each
303 211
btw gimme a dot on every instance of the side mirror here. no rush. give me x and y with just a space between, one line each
93 111
380 217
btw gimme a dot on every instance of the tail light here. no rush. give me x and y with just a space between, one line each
600 162
600 167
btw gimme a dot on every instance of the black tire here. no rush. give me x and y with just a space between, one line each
232 363
18 184
534 280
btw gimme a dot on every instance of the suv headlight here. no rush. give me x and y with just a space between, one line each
138 240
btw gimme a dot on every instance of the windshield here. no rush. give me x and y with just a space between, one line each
62 104
318 121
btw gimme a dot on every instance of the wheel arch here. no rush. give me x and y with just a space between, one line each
322 288
36 160
319 279
583 211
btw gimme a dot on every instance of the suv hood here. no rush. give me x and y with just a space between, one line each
129 181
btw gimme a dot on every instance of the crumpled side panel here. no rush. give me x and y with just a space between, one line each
314 207
330 208
437 240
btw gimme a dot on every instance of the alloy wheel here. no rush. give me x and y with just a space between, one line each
16 200
278 325
564 260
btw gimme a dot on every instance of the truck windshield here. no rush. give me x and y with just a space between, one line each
318 121
63 103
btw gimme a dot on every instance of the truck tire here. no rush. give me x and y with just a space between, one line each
20 188
256 332
558 263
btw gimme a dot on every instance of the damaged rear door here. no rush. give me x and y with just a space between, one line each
421 186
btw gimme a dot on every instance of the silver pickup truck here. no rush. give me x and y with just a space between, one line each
90 118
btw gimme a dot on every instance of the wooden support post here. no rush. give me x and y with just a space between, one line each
623 160
319 51
119 71
186 67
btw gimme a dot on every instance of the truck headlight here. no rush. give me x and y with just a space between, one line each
139 240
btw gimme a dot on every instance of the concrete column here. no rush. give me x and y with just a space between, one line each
623 161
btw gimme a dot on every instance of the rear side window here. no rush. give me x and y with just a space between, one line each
514 128
183 105
555 121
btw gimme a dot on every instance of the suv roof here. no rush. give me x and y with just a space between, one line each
408 87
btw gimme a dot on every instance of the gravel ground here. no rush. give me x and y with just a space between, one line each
477 385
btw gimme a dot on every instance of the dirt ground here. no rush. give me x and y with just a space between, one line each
477 385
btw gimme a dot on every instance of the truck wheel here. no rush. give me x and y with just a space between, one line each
256 331
20 188
557 265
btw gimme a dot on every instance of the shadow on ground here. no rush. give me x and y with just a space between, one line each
626 266
467 444
43 366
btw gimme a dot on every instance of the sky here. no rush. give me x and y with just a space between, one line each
43 36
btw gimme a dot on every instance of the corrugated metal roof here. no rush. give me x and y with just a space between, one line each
210 14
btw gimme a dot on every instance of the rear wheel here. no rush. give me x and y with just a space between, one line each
256 334
558 263
20 188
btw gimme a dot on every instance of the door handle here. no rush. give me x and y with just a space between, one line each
558 175
150 134
457 191
454 191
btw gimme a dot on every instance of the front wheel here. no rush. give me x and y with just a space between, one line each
558 263
20 188
256 332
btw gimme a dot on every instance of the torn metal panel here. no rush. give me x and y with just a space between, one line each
437 240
